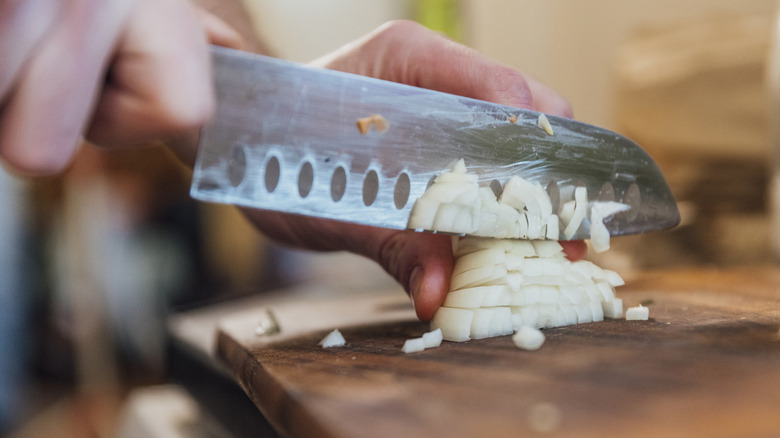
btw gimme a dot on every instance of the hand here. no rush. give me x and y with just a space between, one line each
124 72
409 53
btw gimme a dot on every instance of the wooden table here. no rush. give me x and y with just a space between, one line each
707 364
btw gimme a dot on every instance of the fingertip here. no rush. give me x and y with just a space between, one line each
429 293
34 151
574 249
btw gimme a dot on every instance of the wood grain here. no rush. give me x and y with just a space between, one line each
707 363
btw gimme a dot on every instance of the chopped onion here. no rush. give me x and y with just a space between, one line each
333 339
479 259
498 284
599 235
638 313
544 123
455 324
528 338
612 308
432 339
578 215
413 345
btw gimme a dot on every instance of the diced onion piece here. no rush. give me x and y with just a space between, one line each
448 192
528 338
476 277
544 123
454 218
456 178
597 311
423 214
479 259
584 313
580 209
455 324
607 291
496 295
543 267
573 294
432 339
501 323
413 345
547 248
638 313
553 228
471 298
459 166
599 235
567 211
525 195
333 339
481 323
613 278
612 308
514 262
568 314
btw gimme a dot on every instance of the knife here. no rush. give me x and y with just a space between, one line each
285 137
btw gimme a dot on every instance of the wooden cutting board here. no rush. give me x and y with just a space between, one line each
707 364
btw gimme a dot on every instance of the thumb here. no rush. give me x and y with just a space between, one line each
422 263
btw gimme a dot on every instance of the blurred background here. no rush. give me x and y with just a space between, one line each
94 260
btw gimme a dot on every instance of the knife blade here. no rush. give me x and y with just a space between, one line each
285 138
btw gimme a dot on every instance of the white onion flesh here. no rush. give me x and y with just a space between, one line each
528 338
612 308
578 215
638 313
333 339
432 339
413 345
499 284
428 340
544 123
496 289
599 235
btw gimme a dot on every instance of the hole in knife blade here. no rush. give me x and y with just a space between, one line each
338 184
272 173
632 198
370 188
236 165
607 192
496 187
401 192
305 179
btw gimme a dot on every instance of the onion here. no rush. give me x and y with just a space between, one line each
599 235
528 338
500 285
333 339
580 210
544 123
638 313
413 345
431 339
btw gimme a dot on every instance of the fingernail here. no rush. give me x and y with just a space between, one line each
415 282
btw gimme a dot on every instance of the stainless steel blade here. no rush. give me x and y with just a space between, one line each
285 138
